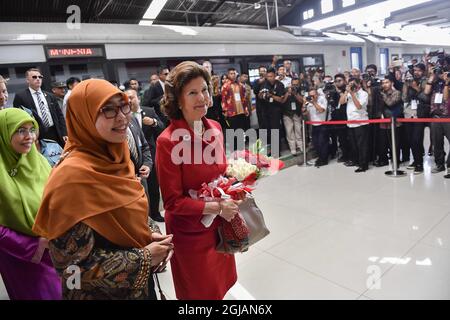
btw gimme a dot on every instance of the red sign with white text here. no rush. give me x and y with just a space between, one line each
74 52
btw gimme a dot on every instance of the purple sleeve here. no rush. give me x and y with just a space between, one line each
19 245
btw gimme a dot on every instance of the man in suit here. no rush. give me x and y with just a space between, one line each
154 94
152 126
139 152
49 115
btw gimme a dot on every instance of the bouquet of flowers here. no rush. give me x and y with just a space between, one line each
244 168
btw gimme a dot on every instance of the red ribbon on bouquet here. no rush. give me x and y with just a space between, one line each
234 233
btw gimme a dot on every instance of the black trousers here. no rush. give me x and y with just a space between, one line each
321 141
385 144
359 137
439 131
259 114
339 138
416 135
153 192
404 142
374 137
239 121
272 121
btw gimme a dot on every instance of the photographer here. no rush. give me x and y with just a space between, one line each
392 108
339 132
356 99
438 86
257 86
273 97
371 84
292 117
416 105
317 108
331 95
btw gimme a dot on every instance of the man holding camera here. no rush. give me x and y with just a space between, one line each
392 107
273 96
339 132
438 86
257 86
292 117
317 108
372 85
356 99
416 105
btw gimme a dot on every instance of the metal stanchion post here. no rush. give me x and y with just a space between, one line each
305 161
394 172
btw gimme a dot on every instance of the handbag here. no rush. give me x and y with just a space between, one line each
256 225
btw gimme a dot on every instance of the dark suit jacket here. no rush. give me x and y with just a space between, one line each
25 99
152 133
152 99
144 156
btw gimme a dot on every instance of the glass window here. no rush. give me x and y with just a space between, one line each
355 60
312 61
327 6
308 14
347 3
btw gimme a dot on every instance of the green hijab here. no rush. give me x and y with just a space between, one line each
22 176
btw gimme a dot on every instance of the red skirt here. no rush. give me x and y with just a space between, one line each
199 272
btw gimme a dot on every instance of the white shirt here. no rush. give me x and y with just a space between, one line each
286 81
36 103
314 115
162 85
66 98
354 113
138 116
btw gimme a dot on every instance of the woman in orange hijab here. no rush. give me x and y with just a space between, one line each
94 210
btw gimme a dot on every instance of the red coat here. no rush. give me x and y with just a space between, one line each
199 272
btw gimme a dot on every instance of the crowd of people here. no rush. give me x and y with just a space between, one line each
85 229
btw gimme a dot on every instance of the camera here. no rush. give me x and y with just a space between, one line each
329 86
367 77
309 99
353 87
265 94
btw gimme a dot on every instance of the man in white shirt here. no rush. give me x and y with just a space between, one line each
70 83
317 107
357 100
285 80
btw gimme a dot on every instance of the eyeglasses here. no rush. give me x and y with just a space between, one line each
24 132
35 77
110 112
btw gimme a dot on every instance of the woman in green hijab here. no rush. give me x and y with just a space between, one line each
25 264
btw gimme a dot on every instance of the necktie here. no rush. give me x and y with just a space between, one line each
44 114
132 145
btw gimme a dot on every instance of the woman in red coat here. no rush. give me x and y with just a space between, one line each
190 152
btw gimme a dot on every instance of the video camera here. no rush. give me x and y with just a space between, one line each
329 86
441 62
367 77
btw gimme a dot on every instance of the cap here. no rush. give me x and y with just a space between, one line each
58 84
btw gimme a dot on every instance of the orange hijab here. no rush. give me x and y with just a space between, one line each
95 183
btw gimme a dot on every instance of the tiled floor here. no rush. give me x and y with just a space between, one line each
340 235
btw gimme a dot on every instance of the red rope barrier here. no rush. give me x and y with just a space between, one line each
424 120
